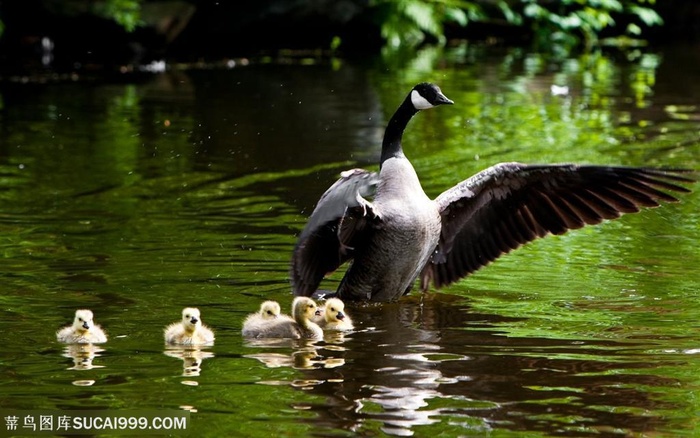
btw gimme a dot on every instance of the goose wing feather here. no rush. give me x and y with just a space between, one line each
337 226
510 204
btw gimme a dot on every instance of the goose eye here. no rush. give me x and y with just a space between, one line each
269 312
80 319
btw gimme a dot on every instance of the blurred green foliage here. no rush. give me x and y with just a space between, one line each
568 24
127 13
558 26
407 22
124 12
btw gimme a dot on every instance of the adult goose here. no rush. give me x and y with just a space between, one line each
402 233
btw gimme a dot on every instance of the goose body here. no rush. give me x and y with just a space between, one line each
83 331
189 330
402 234
334 317
300 327
401 245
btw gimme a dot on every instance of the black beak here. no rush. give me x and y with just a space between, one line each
194 320
318 312
340 316
86 326
441 99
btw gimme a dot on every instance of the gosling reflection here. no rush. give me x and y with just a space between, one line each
83 356
398 366
192 358
304 355
434 360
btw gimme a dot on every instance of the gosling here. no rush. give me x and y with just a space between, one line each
255 323
334 316
83 330
189 331
301 327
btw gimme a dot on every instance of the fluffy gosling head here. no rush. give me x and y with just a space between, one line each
83 321
334 310
304 308
270 310
191 319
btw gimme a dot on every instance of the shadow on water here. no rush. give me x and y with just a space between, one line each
434 361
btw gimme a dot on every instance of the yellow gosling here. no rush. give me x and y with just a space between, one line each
301 327
83 330
255 323
190 330
334 316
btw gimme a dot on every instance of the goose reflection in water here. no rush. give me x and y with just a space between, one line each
83 355
191 356
437 361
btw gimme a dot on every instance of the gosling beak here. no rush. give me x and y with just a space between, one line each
86 326
193 320
317 312
340 316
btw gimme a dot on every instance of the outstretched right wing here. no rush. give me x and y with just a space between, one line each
510 204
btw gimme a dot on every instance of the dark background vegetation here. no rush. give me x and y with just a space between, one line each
66 35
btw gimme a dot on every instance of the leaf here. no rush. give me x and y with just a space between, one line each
647 15
423 15
535 11
510 15
633 29
611 5
457 15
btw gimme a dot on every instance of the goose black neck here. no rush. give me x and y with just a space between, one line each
391 145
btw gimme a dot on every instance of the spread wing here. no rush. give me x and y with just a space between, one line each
340 223
510 204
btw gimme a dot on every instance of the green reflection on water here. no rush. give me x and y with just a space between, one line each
137 200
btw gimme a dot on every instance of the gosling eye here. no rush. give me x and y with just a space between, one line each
269 312
80 319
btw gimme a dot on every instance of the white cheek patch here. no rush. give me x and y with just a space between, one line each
420 102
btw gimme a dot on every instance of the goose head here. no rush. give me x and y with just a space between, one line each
83 320
423 96
269 310
191 319
426 95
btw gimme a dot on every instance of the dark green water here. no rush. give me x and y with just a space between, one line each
188 188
